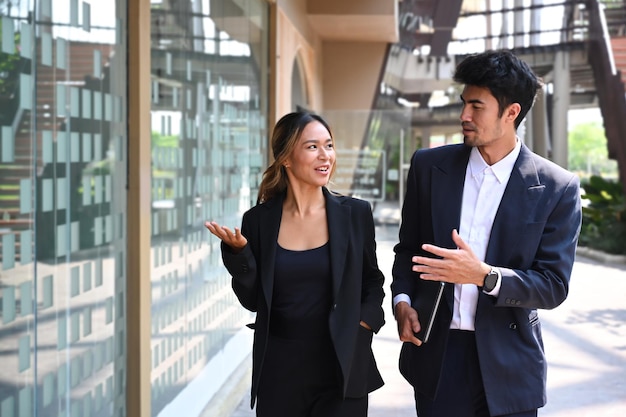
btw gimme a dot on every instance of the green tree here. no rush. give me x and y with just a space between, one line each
588 154
9 68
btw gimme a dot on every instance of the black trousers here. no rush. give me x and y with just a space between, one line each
301 378
461 392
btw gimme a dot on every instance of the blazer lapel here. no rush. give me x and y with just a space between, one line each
448 179
518 201
268 237
338 217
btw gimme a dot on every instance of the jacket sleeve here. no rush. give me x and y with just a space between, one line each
242 267
404 278
545 284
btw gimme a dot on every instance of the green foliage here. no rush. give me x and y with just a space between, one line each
164 141
604 216
164 189
588 152
8 69
102 167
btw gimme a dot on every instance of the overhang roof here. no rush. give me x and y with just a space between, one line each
354 20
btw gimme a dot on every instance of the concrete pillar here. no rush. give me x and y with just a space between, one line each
522 129
488 23
560 107
539 128
518 24
425 139
535 23
504 39
528 131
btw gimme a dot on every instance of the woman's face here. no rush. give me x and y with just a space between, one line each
313 157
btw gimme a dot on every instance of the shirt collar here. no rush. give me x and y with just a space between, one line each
501 169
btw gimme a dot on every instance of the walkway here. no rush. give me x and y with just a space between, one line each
585 341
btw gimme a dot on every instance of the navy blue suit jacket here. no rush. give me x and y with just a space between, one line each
533 242
357 284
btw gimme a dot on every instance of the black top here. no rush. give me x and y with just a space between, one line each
302 293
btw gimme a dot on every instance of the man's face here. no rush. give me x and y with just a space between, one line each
479 118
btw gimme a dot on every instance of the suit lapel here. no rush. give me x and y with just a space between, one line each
448 179
338 217
518 201
268 237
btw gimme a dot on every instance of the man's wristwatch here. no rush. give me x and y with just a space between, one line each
491 279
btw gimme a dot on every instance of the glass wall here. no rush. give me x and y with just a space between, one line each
372 147
209 139
62 204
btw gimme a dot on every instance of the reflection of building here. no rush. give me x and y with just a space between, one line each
69 241
574 46
113 299
62 262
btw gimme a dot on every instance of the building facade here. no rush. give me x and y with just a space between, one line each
124 126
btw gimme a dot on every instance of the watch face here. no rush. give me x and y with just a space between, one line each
490 281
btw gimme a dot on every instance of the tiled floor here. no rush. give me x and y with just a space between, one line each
585 341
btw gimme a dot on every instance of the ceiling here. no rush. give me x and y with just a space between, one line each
354 20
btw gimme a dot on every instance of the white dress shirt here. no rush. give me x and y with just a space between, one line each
482 193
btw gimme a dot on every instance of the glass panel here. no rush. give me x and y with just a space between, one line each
373 149
209 146
56 276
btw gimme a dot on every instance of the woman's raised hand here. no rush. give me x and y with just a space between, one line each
235 239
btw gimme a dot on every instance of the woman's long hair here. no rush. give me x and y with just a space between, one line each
285 136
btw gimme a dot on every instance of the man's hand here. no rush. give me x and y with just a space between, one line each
408 323
458 266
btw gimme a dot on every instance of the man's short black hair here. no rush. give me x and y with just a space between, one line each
509 79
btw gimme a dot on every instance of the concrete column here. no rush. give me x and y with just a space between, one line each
518 24
522 129
528 131
488 23
504 39
425 140
560 108
539 125
535 22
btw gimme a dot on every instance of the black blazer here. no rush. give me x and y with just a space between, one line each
357 284
533 241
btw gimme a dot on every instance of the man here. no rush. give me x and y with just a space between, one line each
499 226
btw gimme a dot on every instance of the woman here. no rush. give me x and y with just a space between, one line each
305 261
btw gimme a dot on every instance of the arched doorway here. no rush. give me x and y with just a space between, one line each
299 93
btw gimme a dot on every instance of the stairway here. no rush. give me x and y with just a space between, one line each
618 45
27 160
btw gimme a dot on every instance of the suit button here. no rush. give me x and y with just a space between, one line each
512 326
518 302
507 301
334 306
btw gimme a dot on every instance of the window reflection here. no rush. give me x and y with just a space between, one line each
209 107
62 204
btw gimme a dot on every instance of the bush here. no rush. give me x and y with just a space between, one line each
604 216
